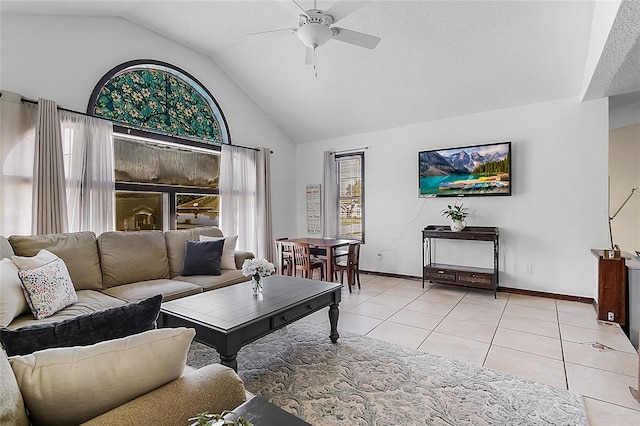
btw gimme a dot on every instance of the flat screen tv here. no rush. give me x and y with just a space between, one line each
465 171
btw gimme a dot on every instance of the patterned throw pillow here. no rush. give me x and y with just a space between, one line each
48 288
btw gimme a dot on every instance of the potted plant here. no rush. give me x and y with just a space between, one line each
208 419
457 214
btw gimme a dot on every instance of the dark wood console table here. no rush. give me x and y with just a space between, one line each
467 276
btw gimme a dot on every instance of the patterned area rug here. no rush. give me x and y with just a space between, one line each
363 381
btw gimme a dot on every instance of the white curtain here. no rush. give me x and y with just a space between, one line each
49 186
238 202
245 198
263 195
88 144
330 201
17 138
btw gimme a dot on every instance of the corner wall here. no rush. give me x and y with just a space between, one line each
63 58
557 213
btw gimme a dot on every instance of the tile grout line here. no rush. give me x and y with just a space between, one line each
495 332
564 361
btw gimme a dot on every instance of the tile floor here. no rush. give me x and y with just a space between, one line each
544 340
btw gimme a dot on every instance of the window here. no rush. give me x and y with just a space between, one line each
350 169
164 186
169 129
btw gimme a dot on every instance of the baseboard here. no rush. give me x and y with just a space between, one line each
511 290
567 297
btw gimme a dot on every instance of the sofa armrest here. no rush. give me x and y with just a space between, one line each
212 388
241 256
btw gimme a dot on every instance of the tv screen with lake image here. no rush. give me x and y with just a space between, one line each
471 170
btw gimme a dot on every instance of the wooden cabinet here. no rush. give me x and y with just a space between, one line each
612 288
468 276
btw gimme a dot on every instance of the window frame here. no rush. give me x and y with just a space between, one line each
338 158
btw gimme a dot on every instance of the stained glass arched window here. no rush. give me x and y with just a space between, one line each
159 98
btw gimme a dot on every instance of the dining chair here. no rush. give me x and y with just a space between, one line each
351 265
284 251
303 261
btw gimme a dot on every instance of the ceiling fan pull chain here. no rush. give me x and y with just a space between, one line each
315 61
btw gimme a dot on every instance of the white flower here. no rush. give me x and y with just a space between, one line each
260 267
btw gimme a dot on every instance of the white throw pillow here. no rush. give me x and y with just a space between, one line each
48 288
228 251
12 301
43 257
73 385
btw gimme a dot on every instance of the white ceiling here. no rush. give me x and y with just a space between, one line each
436 59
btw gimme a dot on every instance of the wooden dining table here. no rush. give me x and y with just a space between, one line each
324 249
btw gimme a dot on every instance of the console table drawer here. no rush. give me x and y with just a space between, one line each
300 311
479 280
436 274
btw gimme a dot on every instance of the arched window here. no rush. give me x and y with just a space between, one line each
157 97
168 130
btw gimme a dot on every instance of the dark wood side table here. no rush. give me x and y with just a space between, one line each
261 412
612 288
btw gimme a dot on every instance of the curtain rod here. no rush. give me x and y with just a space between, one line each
30 101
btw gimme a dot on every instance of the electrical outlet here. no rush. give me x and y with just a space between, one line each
610 316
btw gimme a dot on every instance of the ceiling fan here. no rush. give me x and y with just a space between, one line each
315 28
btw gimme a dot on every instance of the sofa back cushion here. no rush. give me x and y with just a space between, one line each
68 386
78 250
128 257
12 410
176 242
5 248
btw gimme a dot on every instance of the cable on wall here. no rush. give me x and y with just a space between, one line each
405 229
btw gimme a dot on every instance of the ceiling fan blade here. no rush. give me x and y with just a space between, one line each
280 30
293 7
308 56
354 37
344 8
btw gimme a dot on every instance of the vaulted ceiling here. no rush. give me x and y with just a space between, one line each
436 59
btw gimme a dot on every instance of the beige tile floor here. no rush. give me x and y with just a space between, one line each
539 339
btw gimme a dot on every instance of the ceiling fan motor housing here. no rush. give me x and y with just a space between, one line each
314 28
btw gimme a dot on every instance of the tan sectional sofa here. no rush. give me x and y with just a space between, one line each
119 267
108 271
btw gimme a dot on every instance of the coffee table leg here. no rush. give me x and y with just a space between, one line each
333 320
229 361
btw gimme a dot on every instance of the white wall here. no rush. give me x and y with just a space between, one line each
557 213
62 59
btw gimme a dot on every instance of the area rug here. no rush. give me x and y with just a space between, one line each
364 381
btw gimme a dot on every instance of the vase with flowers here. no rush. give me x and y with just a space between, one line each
257 269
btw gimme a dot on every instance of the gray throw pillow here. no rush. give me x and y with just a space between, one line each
83 330
202 257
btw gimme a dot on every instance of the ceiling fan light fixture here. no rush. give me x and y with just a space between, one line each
314 35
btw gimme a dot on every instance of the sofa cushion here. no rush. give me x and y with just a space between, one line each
73 385
48 288
12 410
128 257
213 388
6 251
79 251
12 301
83 330
228 255
169 289
88 301
175 242
211 282
202 257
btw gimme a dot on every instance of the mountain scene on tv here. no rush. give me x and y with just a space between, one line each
471 170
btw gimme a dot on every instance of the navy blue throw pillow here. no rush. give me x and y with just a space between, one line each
83 330
202 257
